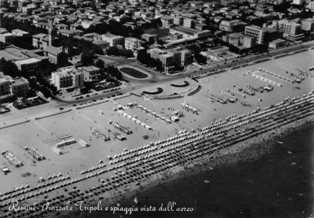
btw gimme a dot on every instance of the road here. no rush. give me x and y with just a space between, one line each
55 105
161 78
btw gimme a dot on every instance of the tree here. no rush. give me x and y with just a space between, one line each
62 59
9 68
199 58
23 42
100 64
87 57
119 52
144 58
101 28
114 72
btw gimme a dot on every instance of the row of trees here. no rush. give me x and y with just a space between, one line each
144 58
27 26
74 46
119 52
108 71
39 83
9 68
196 51
25 42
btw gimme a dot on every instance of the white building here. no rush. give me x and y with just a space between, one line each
289 27
256 32
308 24
291 30
230 26
91 73
67 77
132 43
113 40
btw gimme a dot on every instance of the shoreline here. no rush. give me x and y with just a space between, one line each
249 148
242 152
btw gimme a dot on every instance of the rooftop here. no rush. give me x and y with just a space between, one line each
27 61
89 68
110 35
20 81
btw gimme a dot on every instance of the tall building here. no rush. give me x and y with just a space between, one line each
67 77
166 59
291 30
255 32
289 27
186 57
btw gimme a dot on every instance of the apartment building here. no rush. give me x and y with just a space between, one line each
19 87
307 24
13 87
132 43
67 77
113 40
256 32
91 73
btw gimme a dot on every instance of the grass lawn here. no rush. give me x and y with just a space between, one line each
133 72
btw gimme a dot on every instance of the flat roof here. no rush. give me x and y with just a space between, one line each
5 79
12 53
88 68
27 61
110 35
20 81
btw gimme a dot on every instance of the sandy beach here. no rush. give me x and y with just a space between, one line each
114 169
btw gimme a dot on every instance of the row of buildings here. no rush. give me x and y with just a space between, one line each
74 77
278 32
169 58
43 48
